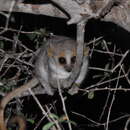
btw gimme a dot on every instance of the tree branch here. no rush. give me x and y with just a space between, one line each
116 11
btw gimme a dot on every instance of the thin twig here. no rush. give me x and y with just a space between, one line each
63 104
112 101
127 123
120 62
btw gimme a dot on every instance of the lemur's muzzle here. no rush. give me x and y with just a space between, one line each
68 68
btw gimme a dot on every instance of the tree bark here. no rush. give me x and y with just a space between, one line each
116 11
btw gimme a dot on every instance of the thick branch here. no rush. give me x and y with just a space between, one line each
119 14
43 9
76 12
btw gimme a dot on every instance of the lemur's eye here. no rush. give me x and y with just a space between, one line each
62 60
73 59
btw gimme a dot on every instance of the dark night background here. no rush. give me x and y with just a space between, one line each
79 103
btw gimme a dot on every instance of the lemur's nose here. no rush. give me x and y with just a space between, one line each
68 68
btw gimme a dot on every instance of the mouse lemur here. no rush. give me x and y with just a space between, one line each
55 61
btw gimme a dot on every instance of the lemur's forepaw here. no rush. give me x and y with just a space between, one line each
74 89
76 85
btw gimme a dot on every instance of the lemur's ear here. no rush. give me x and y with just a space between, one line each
49 52
86 51
74 52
